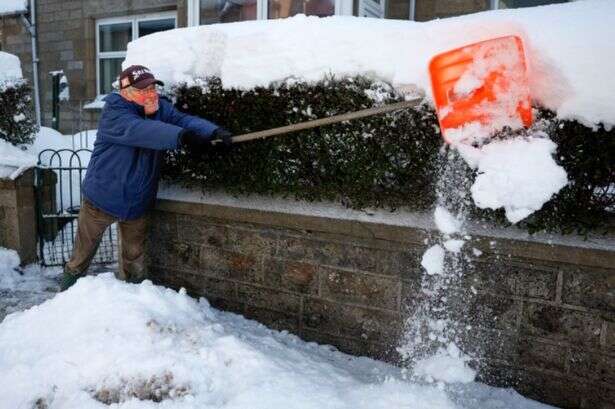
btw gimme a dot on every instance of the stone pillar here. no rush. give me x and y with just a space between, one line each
18 216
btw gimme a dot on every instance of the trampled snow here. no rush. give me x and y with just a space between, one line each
569 50
21 288
105 341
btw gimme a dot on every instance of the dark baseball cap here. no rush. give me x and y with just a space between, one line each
137 76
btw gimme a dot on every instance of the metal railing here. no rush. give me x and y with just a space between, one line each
58 192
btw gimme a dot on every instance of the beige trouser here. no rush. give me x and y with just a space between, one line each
92 224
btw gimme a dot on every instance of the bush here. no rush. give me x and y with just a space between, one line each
17 124
380 161
385 161
588 201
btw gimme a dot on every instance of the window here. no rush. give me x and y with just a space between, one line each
112 38
225 11
221 11
287 8
511 4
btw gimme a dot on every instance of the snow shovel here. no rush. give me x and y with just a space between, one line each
323 121
483 83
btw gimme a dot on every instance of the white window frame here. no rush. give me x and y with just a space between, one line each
342 8
135 20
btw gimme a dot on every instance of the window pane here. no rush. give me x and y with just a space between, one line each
226 11
509 4
154 26
110 69
287 8
115 37
430 9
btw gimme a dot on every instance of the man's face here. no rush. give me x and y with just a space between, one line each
146 97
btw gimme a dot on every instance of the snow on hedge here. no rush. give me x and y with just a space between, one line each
569 49
105 341
14 160
10 67
13 6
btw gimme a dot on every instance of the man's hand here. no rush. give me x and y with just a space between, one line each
191 141
225 136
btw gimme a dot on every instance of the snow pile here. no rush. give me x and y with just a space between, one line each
105 342
111 342
10 66
447 365
14 160
519 175
13 6
570 71
9 261
31 278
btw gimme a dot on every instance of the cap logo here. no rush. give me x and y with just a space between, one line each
137 73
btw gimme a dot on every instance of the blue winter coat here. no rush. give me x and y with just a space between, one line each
122 176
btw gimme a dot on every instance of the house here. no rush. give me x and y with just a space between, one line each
87 39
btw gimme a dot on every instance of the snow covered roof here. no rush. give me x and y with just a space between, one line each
10 67
13 6
569 50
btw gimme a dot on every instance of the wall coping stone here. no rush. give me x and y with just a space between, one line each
9 175
403 227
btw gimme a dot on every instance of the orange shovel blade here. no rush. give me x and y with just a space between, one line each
484 83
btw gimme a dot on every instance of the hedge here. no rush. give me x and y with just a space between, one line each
17 123
387 161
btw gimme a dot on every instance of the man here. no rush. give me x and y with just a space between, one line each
121 182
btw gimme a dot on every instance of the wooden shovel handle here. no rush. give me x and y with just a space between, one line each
323 121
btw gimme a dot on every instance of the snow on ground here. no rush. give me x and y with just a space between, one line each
105 341
569 51
10 66
22 288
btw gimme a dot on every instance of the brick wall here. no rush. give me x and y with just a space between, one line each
543 317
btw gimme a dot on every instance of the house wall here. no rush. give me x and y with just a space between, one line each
67 41
542 319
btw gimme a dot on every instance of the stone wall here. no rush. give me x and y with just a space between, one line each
18 216
543 317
